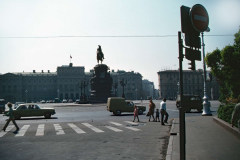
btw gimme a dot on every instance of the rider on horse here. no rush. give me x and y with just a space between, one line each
100 55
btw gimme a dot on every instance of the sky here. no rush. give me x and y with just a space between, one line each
135 35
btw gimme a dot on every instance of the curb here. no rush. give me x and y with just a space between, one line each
235 131
170 142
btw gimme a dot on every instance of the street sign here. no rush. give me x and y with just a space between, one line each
199 18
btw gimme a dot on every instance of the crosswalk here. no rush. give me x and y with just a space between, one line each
78 128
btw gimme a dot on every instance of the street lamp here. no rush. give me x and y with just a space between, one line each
206 103
115 88
26 91
123 84
58 93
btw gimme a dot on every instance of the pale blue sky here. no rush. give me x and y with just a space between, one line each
146 55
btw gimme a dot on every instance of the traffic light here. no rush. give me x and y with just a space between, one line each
192 65
192 54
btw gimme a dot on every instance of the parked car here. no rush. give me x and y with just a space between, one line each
32 110
2 105
57 100
190 102
77 101
117 105
42 101
64 101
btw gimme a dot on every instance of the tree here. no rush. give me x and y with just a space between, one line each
225 67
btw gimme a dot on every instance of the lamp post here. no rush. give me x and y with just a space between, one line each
115 88
123 84
58 93
26 92
206 103
84 84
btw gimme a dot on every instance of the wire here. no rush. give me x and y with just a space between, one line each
117 36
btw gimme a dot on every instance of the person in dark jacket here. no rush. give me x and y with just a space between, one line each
11 117
151 110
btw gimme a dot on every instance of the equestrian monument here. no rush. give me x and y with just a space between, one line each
101 81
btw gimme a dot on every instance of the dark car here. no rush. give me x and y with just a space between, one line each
190 102
32 110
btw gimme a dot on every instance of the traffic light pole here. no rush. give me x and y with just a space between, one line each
181 109
206 103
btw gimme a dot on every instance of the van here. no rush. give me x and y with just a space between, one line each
190 102
117 105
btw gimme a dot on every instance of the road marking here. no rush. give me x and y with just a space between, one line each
133 123
92 128
76 128
174 110
59 130
40 130
133 129
117 124
114 129
9 128
22 131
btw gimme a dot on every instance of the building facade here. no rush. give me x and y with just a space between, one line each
133 84
148 89
168 82
68 82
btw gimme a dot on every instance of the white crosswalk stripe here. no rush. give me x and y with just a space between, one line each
40 130
92 128
76 128
131 128
22 131
59 130
9 128
114 129
118 127
133 123
117 124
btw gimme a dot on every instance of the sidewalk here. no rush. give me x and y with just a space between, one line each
205 139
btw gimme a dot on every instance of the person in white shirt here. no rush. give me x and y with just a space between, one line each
163 111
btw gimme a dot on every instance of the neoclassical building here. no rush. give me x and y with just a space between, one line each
68 82
168 83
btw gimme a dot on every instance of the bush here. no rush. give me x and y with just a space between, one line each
225 112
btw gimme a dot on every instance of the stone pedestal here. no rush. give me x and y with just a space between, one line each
101 84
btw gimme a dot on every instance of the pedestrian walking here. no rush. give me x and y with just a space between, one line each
163 111
236 115
135 113
11 117
151 110
157 115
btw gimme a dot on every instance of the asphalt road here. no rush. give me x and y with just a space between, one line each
88 132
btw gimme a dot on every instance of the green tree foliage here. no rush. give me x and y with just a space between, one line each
225 67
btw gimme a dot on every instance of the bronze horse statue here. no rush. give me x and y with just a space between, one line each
100 55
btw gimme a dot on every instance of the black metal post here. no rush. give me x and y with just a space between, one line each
181 109
123 84
84 85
